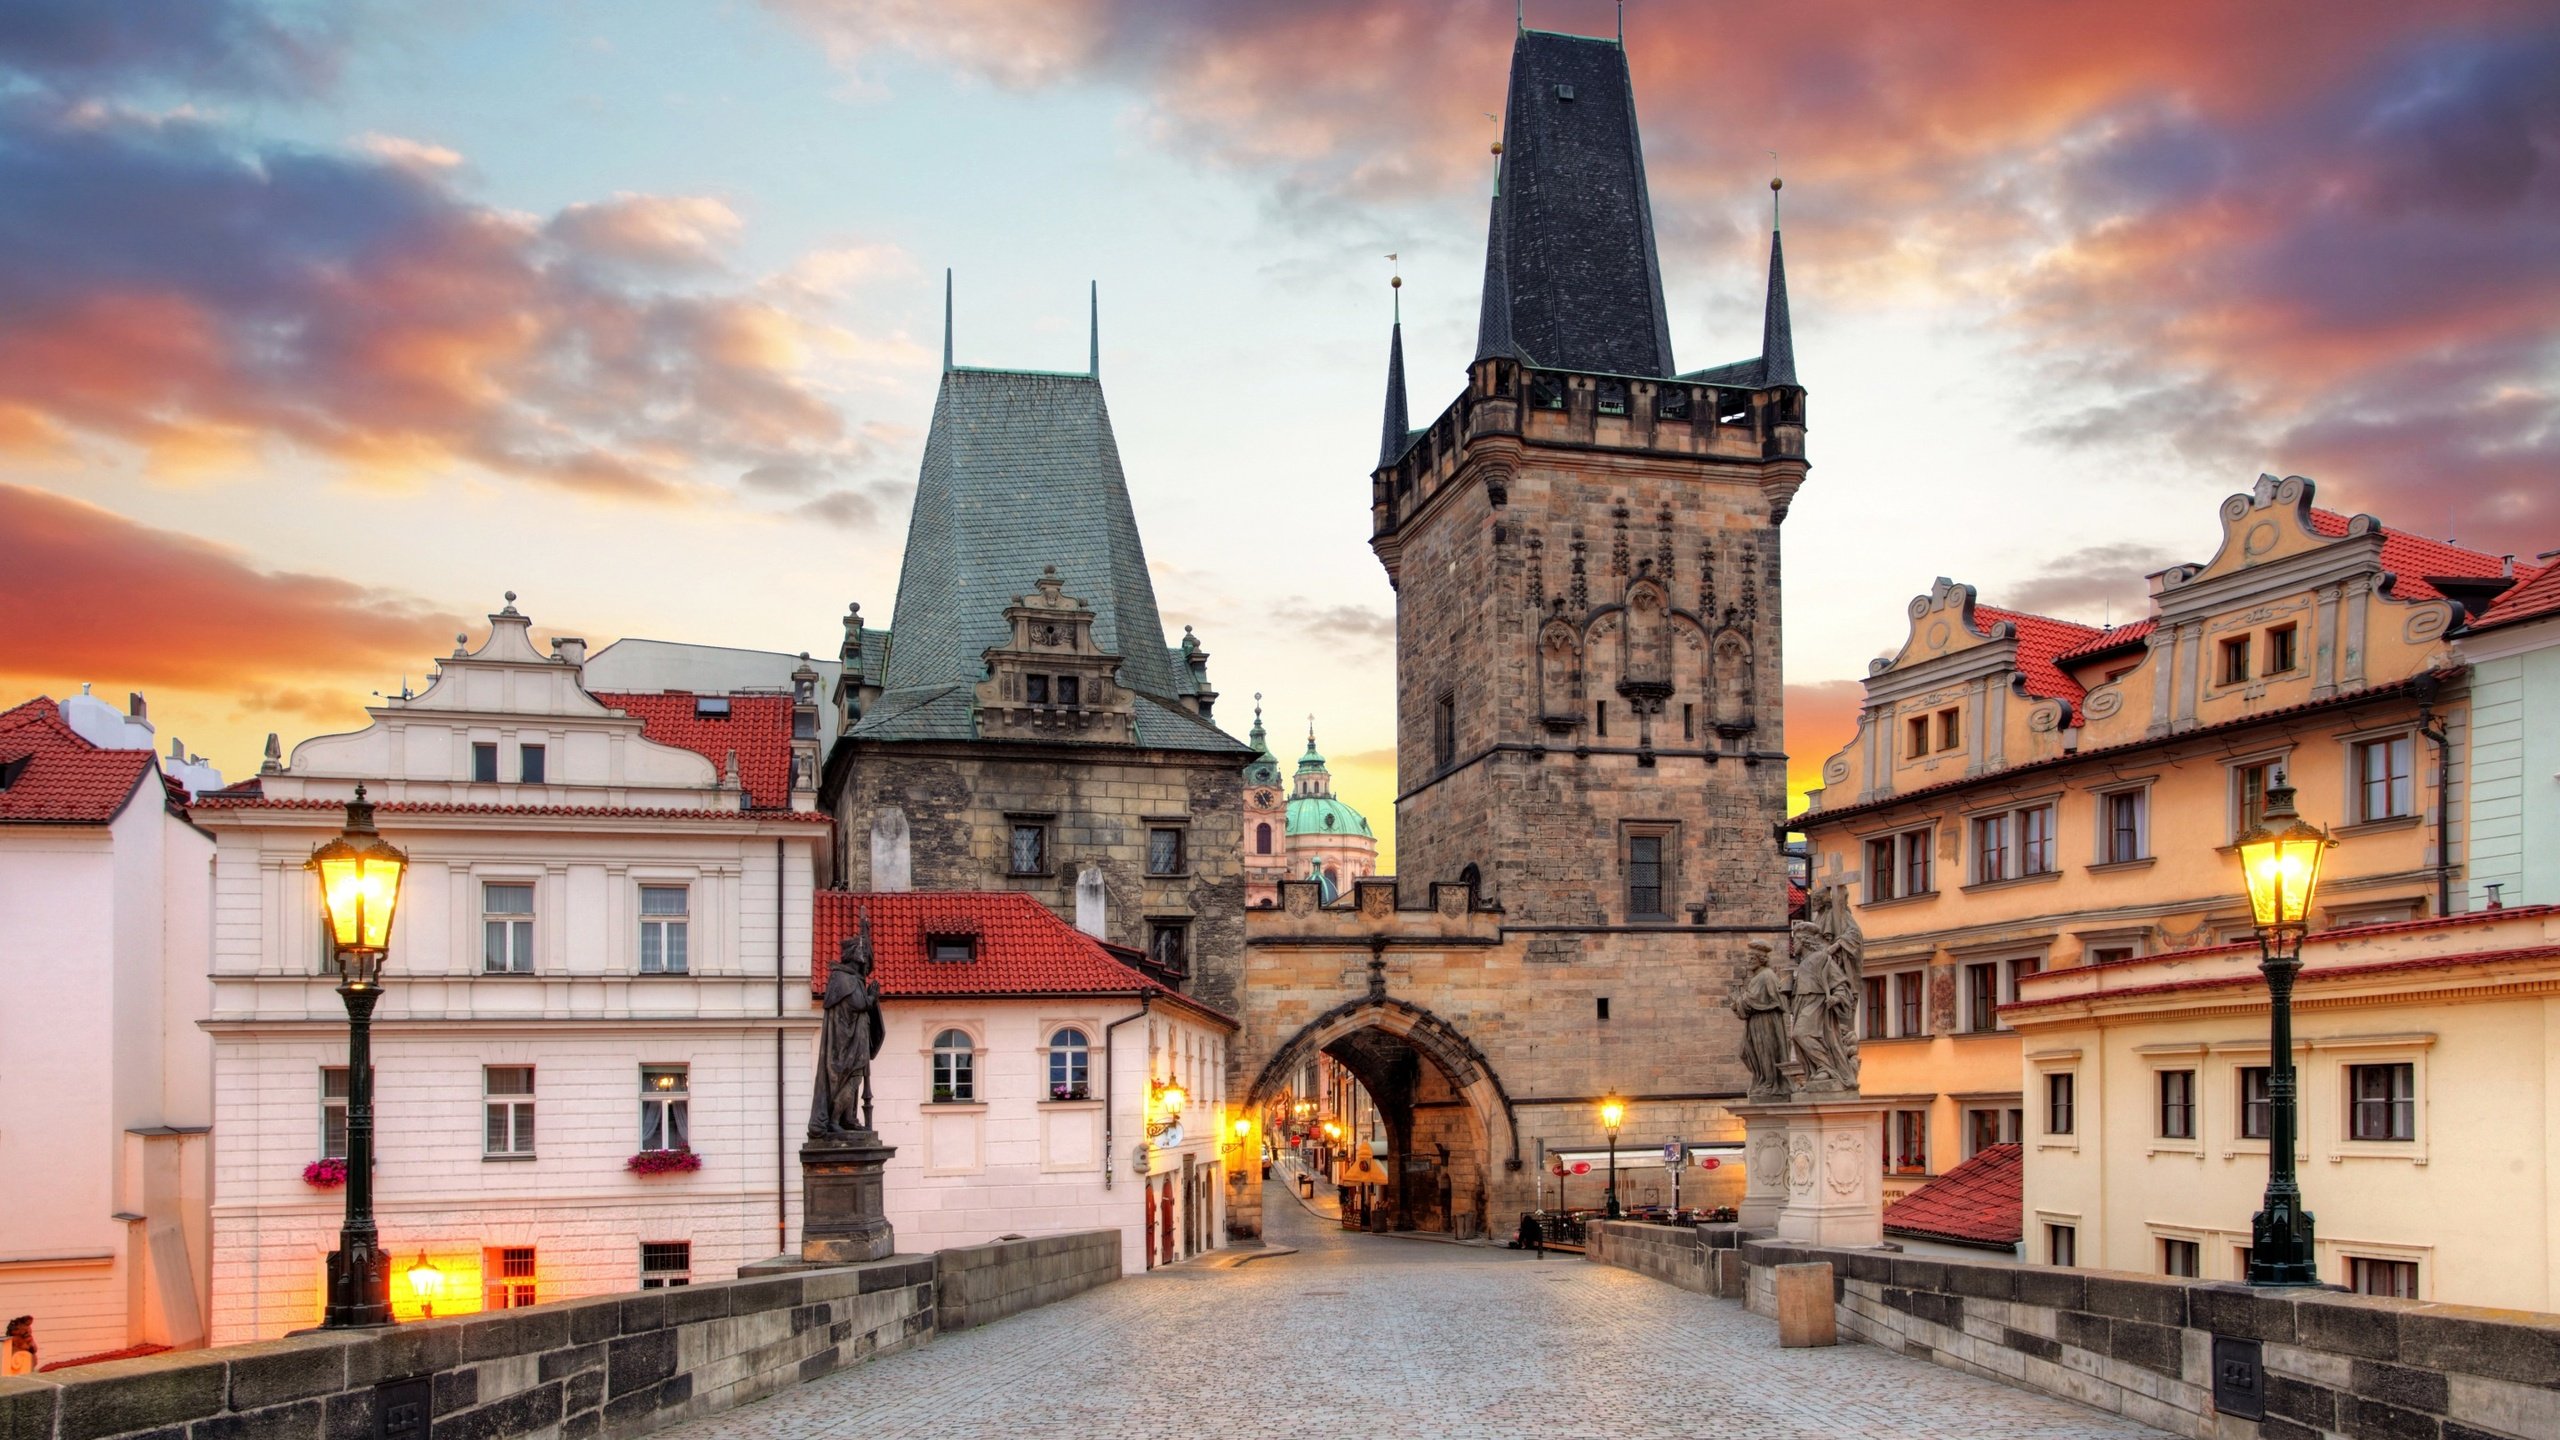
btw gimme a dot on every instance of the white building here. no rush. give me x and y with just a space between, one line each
2514 650
1028 1079
104 1076
600 954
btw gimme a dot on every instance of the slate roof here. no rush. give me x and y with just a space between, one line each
55 777
1021 471
1572 277
1395 433
757 729
1980 1202
1022 948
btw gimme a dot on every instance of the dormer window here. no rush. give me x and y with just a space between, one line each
1070 690
951 949
1035 689
711 707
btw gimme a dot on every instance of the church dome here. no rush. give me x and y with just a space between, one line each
1324 815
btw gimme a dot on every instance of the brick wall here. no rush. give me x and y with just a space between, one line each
2142 1346
988 1282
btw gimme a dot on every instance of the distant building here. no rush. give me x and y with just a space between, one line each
1319 838
593 1056
2426 1062
105 908
1035 1082
2026 793
2514 819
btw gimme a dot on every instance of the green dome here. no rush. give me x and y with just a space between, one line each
1324 815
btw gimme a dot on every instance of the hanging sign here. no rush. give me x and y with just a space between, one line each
1675 1155
1581 1167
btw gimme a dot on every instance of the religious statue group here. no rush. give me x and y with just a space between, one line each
1799 1029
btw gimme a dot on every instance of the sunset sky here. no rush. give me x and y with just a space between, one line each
323 324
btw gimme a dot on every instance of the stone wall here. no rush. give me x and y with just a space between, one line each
1702 1258
980 1283
608 1366
2144 1346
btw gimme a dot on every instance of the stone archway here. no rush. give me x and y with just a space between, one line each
1442 1102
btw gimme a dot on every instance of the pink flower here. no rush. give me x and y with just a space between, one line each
662 1162
326 1174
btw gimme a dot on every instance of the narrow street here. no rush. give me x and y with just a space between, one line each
1378 1336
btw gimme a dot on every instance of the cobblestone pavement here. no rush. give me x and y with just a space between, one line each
1372 1338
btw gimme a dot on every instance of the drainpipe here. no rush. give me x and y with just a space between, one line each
2432 728
1111 1084
781 1106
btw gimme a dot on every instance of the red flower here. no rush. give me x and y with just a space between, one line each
326 1174
662 1162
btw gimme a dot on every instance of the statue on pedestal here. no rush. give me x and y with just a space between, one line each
853 1031
1828 951
1761 1000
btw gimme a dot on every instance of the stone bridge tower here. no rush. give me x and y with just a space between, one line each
1585 547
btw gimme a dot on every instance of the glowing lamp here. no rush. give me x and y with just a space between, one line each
1332 1131
1243 1127
426 1282
1170 1099
2280 862
360 877
1612 1111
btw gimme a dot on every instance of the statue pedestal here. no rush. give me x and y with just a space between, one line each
1814 1167
841 1220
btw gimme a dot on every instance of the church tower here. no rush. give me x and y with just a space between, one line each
1584 544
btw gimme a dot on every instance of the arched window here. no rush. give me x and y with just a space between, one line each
955 1067
1262 838
1070 1065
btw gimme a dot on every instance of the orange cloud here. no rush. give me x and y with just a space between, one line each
1822 716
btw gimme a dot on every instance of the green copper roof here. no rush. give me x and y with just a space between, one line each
1022 471
1324 815
1265 769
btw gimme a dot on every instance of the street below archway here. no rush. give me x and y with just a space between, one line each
1396 1338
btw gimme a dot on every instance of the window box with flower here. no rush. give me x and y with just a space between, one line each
663 1162
326 1174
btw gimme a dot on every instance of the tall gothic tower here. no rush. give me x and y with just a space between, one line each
1584 545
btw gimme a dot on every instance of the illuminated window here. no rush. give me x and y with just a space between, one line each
665 1118
665 1264
507 1279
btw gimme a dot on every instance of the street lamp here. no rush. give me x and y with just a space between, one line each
426 1282
1612 1111
359 889
2280 861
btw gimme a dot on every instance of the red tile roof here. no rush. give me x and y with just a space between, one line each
130 1352
2113 638
2413 558
64 779
1979 1202
2536 597
1022 948
2041 641
239 799
757 728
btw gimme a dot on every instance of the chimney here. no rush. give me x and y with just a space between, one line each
136 706
569 649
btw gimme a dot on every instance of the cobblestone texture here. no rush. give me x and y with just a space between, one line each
1364 1335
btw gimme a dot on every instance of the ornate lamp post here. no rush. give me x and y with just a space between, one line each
359 888
1613 1111
2280 861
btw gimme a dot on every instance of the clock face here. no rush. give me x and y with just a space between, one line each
1262 799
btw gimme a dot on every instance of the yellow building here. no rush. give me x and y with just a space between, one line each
2026 793
2428 1061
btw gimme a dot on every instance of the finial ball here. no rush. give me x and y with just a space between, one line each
1395 282
1497 147
1776 183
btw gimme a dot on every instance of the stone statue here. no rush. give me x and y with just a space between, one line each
1827 952
850 1037
1761 1000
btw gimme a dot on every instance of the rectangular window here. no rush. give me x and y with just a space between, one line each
1444 732
710 707
507 1278
2383 1102
484 762
1916 730
2035 841
1029 851
2060 1101
1915 863
663 924
506 928
1982 997
2182 1258
333 1112
1164 851
2395 1278
950 949
665 1264
1070 691
1950 729
1908 988
2249 794
2124 837
1907 1142
1991 854
2382 778
1880 870
1035 689
665 1122
2257 1104
2061 1245
1874 1014
530 766
1644 876
2235 660
2015 971
2280 649
508 1095
2108 954
1981 1131
1688 721
2177 1104
1600 717
1169 944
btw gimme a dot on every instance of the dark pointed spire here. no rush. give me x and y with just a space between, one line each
946 320
1777 333
1396 426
